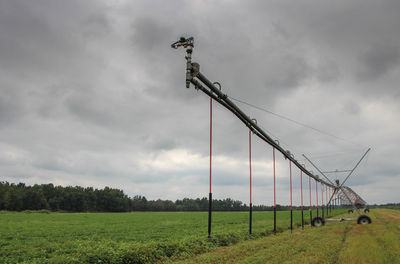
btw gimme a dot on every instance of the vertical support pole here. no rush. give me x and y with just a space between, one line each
334 200
337 201
251 209
326 200
329 195
301 191
291 202
322 200
330 205
210 193
309 187
273 154
316 192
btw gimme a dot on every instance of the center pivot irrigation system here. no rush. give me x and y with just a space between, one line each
339 195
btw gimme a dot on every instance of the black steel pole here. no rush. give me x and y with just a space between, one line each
302 218
251 218
326 210
291 221
275 220
311 217
209 214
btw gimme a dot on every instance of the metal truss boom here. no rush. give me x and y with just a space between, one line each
346 193
200 82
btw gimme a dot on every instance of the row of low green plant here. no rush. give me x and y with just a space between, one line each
25 243
151 252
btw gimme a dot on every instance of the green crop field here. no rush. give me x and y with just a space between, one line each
140 237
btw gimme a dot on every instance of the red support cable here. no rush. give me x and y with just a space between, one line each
250 161
316 191
309 183
290 166
210 194
273 154
336 198
330 199
210 139
302 207
291 202
251 207
329 193
326 194
322 195
309 188
301 188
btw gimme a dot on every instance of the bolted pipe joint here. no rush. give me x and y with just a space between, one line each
192 70
188 73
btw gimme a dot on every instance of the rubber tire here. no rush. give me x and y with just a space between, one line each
366 210
350 211
364 220
318 221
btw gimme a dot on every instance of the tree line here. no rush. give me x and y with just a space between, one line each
19 197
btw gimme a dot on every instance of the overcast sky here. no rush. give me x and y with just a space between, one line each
91 94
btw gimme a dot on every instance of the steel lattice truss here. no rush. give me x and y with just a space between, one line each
350 197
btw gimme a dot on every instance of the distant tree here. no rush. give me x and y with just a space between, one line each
33 199
17 197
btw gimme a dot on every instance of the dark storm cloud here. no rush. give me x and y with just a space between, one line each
92 93
327 71
32 40
149 33
292 72
360 38
378 61
96 25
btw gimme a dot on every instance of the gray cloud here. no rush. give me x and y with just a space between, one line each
378 61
